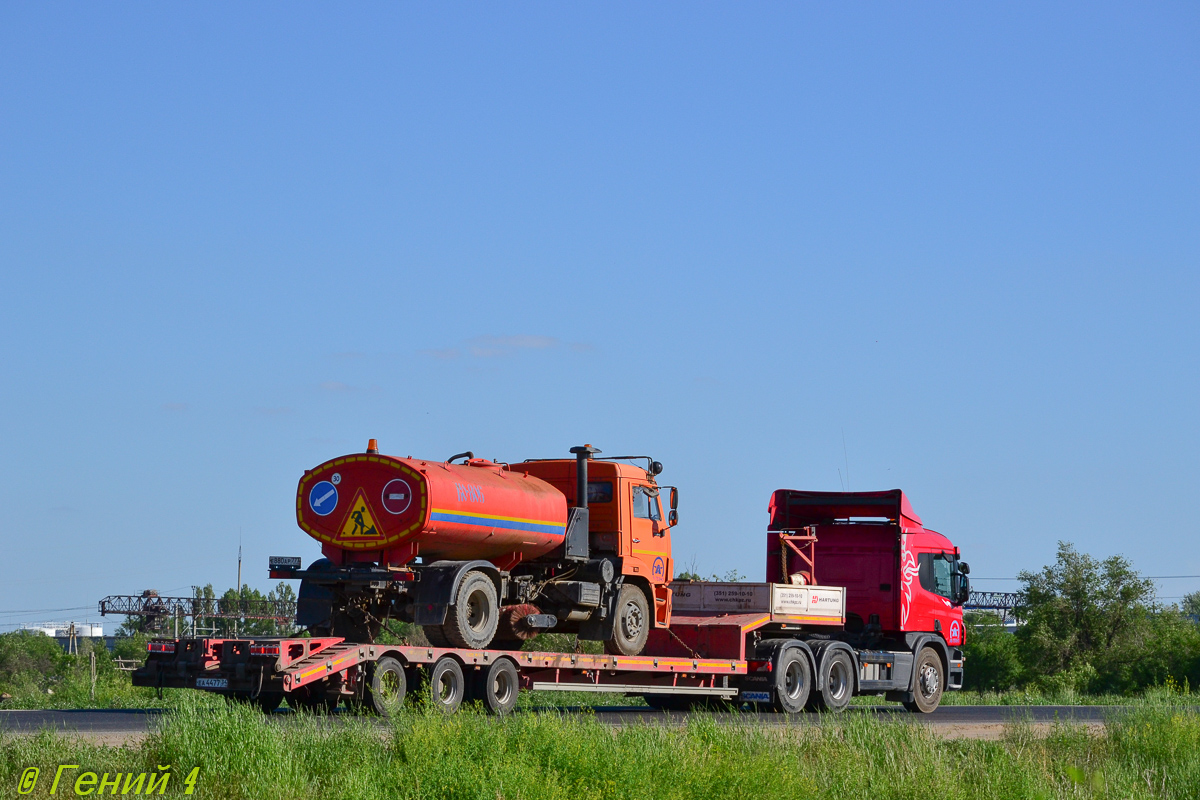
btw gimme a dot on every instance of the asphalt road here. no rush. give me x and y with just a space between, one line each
118 725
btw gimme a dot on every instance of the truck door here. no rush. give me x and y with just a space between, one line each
932 606
651 544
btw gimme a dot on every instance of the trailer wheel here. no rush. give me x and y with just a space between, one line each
446 684
632 626
793 681
472 620
498 687
386 687
930 680
267 702
313 699
837 683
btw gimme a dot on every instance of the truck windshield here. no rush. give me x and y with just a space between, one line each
934 570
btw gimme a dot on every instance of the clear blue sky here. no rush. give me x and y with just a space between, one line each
237 241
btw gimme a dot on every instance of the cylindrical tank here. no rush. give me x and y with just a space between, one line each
450 511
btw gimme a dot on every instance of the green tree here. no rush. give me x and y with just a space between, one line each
1085 616
1191 605
991 653
30 658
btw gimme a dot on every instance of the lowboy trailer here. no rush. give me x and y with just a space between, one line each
885 620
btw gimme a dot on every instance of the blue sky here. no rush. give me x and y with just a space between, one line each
940 248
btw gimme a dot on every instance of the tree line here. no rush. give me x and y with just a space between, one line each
1086 626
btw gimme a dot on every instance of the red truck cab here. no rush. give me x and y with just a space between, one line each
901 579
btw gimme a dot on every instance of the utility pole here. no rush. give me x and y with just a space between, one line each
238 589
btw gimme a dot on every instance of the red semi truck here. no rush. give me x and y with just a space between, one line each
859 597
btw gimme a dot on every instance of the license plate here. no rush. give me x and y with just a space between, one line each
284 562
756 697
212 683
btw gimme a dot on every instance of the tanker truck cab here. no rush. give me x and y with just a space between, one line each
626 521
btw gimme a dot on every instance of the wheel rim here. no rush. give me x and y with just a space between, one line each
632 621
477 611
793 680
502 687
931 681
389 686
446 688
838 680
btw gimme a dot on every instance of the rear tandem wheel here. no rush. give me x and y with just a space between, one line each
837 682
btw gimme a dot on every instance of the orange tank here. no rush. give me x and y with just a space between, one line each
380 508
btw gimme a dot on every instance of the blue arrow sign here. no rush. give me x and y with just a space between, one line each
322 498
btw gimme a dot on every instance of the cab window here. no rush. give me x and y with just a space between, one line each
600 492
933 570
645 503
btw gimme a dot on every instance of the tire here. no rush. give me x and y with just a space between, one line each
386 686
793 681
837 683
311 699
267 702
472 619
447 687
632 626
929 679
435 636
498 687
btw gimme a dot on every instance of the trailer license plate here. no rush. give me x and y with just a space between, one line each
212 683
756 697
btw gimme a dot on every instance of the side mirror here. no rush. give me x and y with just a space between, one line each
962 588
674 498
964 568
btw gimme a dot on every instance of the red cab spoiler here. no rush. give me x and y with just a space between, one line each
792 509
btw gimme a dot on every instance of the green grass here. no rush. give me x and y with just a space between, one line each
1153 752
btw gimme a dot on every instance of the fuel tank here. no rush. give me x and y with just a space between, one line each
388 509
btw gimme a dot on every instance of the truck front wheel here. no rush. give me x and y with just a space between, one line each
631 628
930 680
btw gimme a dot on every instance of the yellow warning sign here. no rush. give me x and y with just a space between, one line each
359 523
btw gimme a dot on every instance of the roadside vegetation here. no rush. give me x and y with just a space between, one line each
1091 633
1087 629
1149 752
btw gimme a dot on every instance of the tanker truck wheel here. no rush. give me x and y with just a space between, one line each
386 687
498 687
472 620
632 626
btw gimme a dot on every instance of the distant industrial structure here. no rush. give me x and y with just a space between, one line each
184 613
1004 603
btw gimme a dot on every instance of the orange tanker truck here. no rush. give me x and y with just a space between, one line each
484 555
